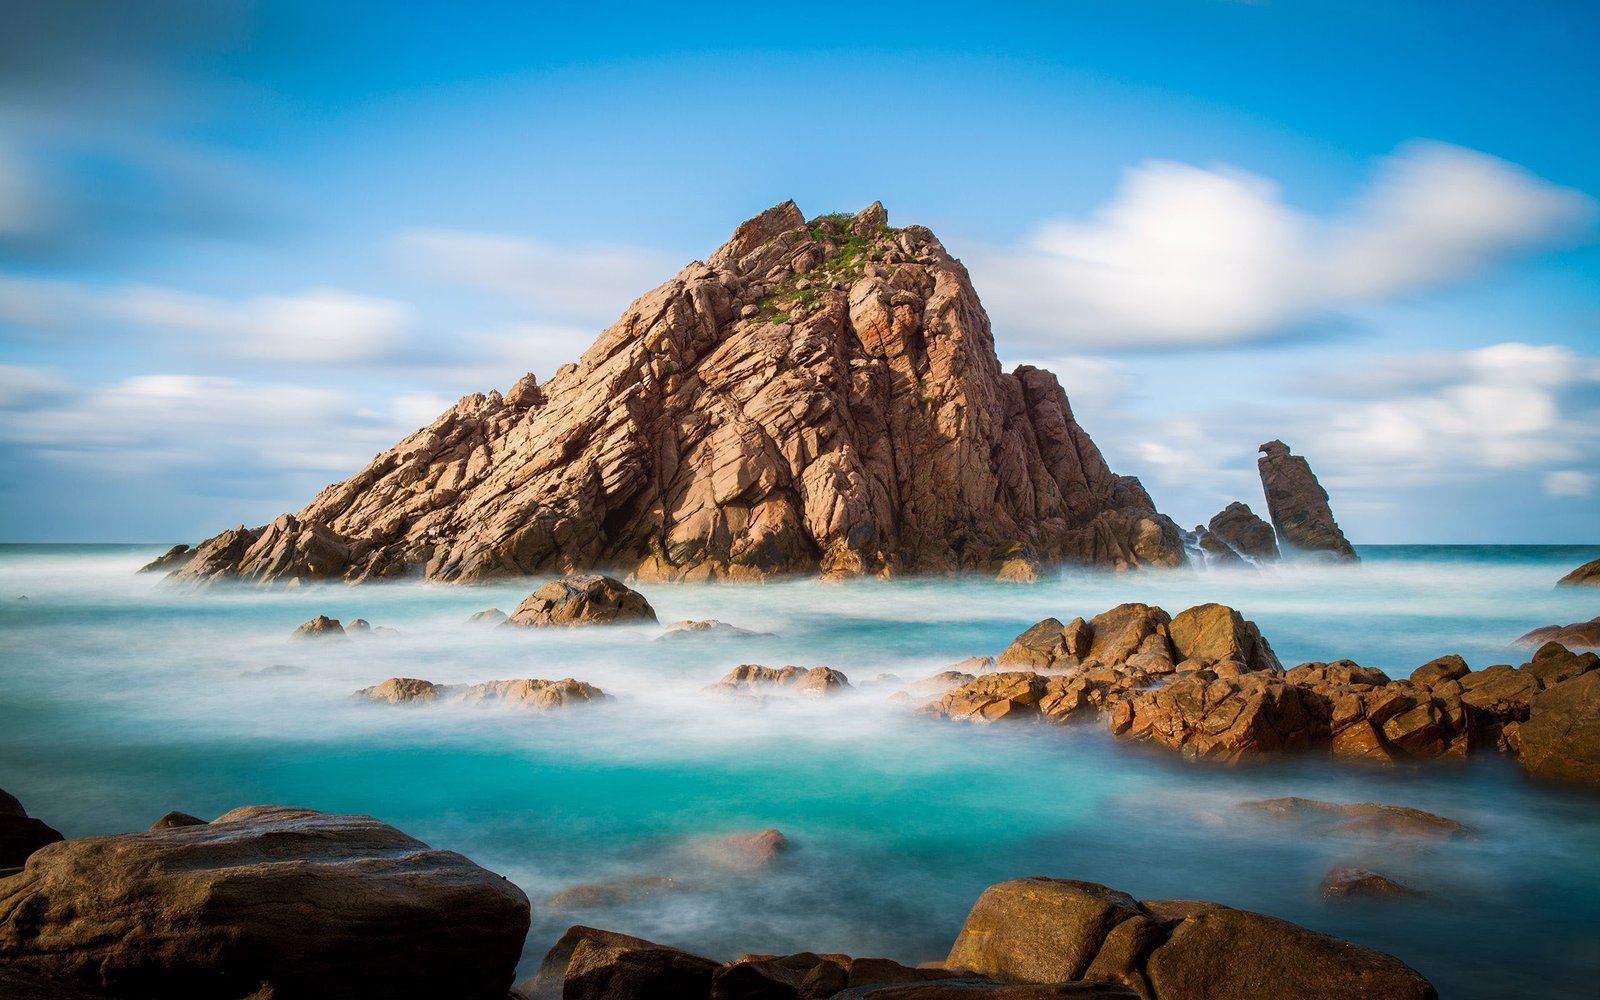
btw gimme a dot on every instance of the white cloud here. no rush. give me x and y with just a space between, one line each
1191 256
321 324
592 284
1569 483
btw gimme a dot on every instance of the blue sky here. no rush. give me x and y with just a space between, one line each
244 247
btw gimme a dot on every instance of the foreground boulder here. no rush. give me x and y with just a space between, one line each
20 834
588 599
305 903
1211 633
816 396
1044 930
1298 504
1587 575
1561 739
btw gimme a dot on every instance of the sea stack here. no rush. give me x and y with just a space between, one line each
817 397
1298 505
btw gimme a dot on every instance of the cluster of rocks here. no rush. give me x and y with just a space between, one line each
533 693
818 396
1206 683
1025 939
754 679
1302 521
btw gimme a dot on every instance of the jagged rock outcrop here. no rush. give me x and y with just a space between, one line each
1298 504
1244 532
174 558
816 397
587 599
753 678
1587 575
264 901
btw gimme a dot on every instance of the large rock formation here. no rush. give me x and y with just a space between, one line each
287 902
1298 504
1244 532
817 396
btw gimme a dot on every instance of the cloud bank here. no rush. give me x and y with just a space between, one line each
1185 256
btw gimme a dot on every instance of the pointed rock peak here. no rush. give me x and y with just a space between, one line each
869 220
526 392
755 231
1274 449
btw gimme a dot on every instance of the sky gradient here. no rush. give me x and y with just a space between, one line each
244 247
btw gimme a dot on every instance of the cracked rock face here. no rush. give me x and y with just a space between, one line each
817 397
1298 504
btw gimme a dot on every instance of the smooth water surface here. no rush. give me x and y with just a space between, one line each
122 698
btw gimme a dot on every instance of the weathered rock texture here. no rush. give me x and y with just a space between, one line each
1587 575
1298 504
586 599
1045 930
753 678
174 558
1246 534
818 396
534 693
305 903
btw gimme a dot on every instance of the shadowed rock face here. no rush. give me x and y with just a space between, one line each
1244 533
1587 575
307 904
1298 504
818 397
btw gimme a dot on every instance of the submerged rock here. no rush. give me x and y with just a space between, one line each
1298 504
1045 930
1348 881
1587 575
817 397
610 893
402 690
533 693
587 599
20 834
490 616
709 628
1364 818
298 902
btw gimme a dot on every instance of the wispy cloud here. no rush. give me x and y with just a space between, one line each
1185 256
321 324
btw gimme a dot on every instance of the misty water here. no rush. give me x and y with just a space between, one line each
122 698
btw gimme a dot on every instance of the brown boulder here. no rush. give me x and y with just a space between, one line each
753 678
320 627
1445 668
803 976
402 690
1007 695
1048 644
533 693
1216 632
176 819
1298 504
1237 955
1038 930
1561 739
1225 718
601 970
1238 527
1554 663
1587 575
546 983
307 904
1130 629
587 599
1578 635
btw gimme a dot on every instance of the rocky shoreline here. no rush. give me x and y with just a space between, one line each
282 903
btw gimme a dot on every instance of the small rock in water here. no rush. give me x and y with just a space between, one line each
491 616
1578 635
401 690
358 625
742 851
587 599
709 628
1587 575
1346 881
275 670
1366 818
320 627
176 819
617 891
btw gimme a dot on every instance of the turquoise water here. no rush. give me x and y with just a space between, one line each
121 698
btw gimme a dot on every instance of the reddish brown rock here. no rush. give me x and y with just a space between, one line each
753 678
1009 695
1042 930
1128 630
1226 718
1561 739
588 599
818 397
1048 645
1553 663
289 902
1439 671
1215 632
1578 635
1239 528
320 627
1298 504
1587 575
